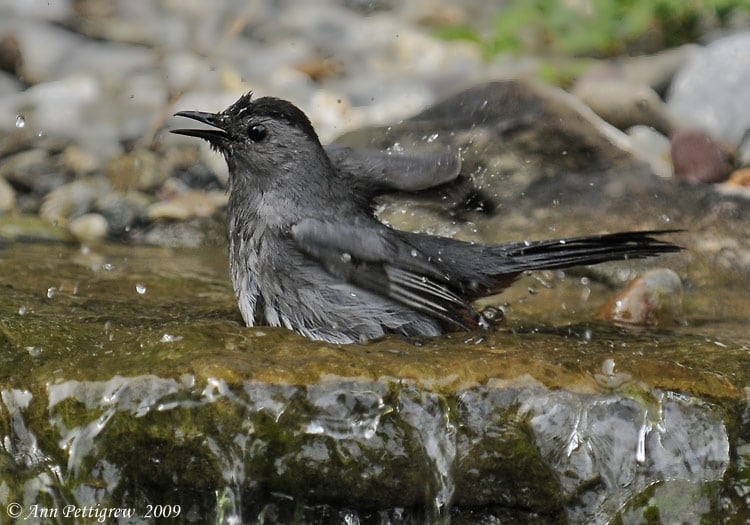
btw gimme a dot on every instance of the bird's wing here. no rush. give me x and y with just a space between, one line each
383 171
375 258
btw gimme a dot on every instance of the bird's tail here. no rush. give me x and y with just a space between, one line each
590 249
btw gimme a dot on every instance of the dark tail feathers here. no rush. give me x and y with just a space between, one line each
591 249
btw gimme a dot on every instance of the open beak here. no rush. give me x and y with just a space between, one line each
214 136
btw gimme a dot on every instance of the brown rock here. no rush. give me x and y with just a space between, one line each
140 170
696 156
653 299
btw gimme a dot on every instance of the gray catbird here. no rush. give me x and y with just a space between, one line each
307 252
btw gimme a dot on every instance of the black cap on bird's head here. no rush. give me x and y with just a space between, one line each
246 121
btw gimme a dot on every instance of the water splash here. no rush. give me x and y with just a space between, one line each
428 417
346 411
627 442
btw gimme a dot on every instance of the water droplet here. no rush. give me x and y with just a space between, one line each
51 291
169 338
20 121
414 253
346 257
140 288
22 310
34 351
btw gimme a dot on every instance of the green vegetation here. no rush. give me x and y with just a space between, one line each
597 28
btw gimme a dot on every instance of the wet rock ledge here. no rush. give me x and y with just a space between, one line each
127 392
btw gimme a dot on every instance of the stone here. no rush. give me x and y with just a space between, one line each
72 200
625 104
710 91
188 204
575 422
696 156
123 210
655 147
655 71
653 299
530 152
140 169
89 227
740 177
7 196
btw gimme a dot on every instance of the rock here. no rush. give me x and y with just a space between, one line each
655 71
26 167
11 61
188 204
529 151
30 228
711 91
89 227
194 232
743 150
574 422
79 161
140 169
122 210
72 200
7 196
625 104
740 177
655 147
653 299
696 156
40 9
42 47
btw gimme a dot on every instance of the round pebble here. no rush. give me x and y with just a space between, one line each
653 299
7 196
188 204
72 200
90 227
696 156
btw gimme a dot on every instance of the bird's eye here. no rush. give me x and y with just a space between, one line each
257 132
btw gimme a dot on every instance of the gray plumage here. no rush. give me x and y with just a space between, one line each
307 252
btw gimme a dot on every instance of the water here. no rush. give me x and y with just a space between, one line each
102 386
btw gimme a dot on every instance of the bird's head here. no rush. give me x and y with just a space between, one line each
258 136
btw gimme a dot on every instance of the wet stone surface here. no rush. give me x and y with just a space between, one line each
113 350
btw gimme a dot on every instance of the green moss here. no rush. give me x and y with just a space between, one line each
596 28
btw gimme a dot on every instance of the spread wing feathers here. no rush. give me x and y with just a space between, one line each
367 256
381 171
